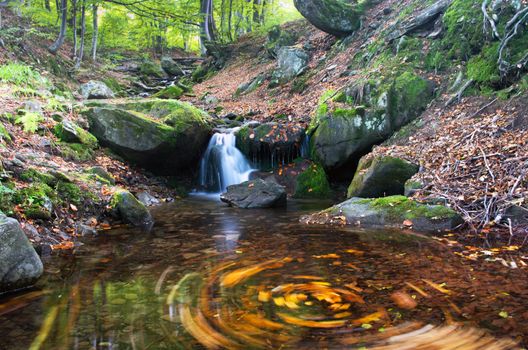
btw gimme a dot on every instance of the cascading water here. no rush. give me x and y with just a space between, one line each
223 164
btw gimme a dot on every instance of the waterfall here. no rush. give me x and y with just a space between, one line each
305 147
223 164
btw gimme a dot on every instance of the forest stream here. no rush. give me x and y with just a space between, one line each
210 276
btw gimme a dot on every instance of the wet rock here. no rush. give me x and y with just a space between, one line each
336 17
86 231
103 174
291 62
271 144
68 131
131 210
380 177
20 265
165 136
395 211
170 66
147 199
96 90
255 194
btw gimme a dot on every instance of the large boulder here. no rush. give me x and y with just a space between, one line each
95 90
170 66
277 39
381 176
395 211
255 194
291 62
131 210
271 144
342 135
165 136
68 131
337 17
20 265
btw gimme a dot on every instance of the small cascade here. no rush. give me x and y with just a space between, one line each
305 147
223 164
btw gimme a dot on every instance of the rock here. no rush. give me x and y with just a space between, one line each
341 135
86 231
271 144
68 131
171 92
517 214
103 174
255 83
411 187
96 90
20 264
165 136
147 199
32 106
337 17
395 211
277 39
131 210
170 66
211 100
291 62
380 177
150 70
255 194
312 183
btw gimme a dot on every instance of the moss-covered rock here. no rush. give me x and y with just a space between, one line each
312 183
150 69
33 175
380 177
76 152
337 17
291 62
171 92
130 209
411 187
36 201
395 211
165 136
278 38
102 174
70 132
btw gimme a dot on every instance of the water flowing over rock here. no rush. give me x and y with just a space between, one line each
337 17
165 136
223 164
255 194
20 266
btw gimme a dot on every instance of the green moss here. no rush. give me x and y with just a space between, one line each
7 192
70 193
202 73
172 92
114 85
151 69
401 206
4 134
312 183
483 68
33 175
76 152
82 135
36 201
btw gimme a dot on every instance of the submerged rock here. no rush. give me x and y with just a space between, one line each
20 265
395 211
165 136
131 210
336 17
380 177
255 194
147 199
95 90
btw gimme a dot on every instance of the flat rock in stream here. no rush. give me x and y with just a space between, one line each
20 266
394 212
255 194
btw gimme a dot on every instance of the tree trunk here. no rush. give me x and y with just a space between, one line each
207 27
62 35
74 27
83 35
47 5
95 32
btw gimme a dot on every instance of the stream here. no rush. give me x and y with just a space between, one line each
210 276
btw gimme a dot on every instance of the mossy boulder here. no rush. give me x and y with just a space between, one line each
171 92
170 66
76 151
165 136
150 69
37 201
312 183
337 17
20 265
131 210
278 38
102 174
380 177
68 131
96 90
291 62
395 211
271 144
341 134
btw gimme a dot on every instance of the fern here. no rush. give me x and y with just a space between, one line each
21 75
30 121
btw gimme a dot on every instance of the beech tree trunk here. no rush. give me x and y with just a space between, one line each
95 32
62 34
83 35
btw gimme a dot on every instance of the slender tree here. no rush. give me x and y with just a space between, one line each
54 48
95 34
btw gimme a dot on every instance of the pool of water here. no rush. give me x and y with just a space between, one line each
209 276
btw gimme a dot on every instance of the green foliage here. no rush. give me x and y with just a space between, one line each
70 193
483 68
33 175
30 121
76 152
7 191
21 75
37 201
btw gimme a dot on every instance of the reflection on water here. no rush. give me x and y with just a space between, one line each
213 277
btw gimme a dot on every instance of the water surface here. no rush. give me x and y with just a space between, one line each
209 276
